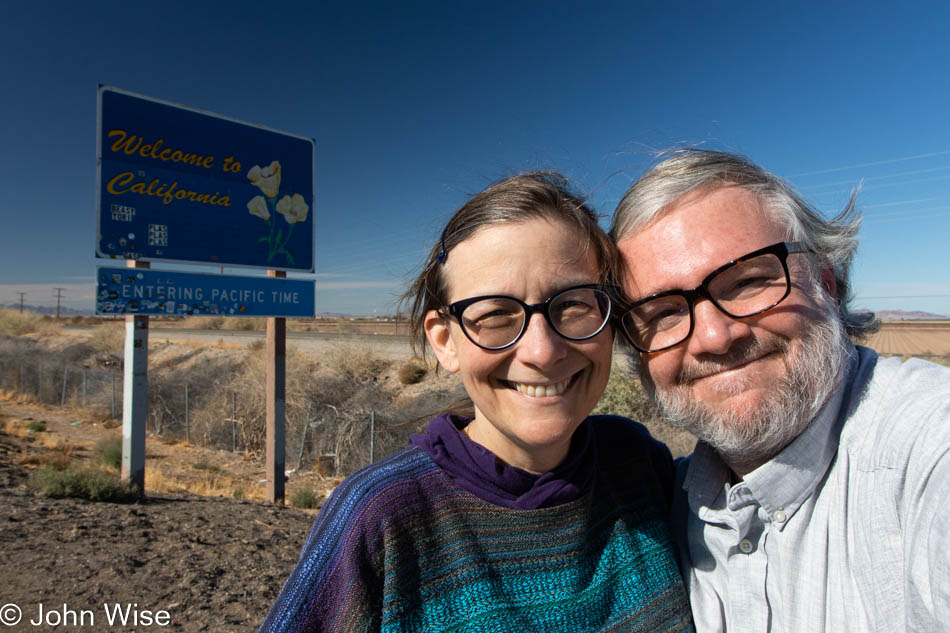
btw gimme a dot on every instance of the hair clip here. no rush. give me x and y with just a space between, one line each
442 254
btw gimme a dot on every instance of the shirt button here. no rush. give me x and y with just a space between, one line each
745 546
779 516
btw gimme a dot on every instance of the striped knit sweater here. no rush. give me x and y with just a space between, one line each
400 547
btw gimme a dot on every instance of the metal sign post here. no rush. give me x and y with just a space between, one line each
276 403
135 396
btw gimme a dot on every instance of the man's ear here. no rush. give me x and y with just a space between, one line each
828 282
440 338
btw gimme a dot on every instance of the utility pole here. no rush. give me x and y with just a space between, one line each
59 295
22 294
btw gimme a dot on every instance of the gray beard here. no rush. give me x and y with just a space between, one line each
747 439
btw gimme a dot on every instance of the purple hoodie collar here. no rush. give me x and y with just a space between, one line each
476 469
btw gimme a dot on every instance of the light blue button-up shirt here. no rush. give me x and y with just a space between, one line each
843 530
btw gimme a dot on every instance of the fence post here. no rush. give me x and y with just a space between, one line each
303 438
62 398
372 434
113 393
187 418
233 422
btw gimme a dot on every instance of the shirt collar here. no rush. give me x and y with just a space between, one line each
785 481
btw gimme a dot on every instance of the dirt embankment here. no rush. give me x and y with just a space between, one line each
213 564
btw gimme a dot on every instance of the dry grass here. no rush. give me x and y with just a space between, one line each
15 323
14 396
158 478
109 338
16 428
54 459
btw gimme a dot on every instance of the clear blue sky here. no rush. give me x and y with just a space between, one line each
414 106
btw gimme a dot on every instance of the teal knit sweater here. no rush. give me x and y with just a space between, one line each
400 547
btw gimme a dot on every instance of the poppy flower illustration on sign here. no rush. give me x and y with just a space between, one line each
293 209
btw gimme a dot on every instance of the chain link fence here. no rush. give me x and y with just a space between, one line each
338 417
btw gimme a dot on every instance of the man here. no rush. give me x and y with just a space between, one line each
816 497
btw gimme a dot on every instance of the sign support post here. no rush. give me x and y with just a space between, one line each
135 395
276 402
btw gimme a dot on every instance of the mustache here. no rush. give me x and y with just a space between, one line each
738 355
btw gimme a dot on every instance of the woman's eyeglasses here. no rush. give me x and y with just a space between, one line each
494 322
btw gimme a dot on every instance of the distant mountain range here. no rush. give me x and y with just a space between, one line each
902 315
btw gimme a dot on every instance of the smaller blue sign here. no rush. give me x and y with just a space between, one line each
146 291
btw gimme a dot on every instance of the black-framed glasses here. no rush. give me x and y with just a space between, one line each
494 322
741 288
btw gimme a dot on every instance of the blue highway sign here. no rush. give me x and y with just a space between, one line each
177 184
147 291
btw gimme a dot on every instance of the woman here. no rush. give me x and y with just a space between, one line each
526 515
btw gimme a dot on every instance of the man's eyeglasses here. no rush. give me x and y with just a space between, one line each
741 288
495 322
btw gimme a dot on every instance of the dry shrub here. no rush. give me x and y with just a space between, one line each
15 323
81 483
345 326
355 361
301 325
54 443
306 499
246 323
200 323
109 451
411 373
256 345
624 396
108 338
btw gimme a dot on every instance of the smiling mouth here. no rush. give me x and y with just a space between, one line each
711 370
541 391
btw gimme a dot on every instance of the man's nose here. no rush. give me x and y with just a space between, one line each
714 331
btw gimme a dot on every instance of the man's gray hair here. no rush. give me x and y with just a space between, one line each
833 241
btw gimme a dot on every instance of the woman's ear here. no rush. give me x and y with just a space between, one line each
438 333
